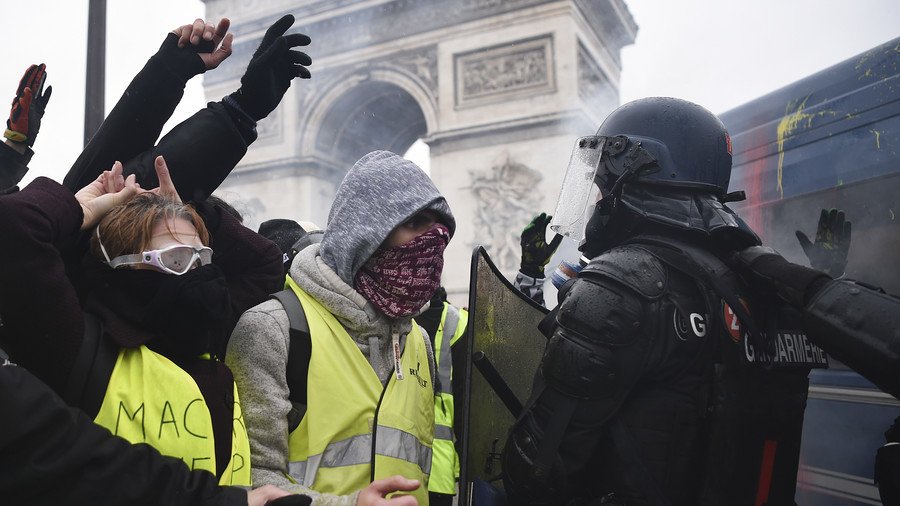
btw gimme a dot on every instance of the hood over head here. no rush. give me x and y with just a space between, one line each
381 191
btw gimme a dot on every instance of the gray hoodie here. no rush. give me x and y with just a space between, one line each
380 192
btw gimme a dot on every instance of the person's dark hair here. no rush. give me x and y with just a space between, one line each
217 201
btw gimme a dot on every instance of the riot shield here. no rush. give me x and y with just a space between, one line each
504 348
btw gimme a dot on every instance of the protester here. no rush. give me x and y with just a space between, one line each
369 400
445 324
43 441
158 311
290 237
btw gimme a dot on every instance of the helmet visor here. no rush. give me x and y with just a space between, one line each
578 193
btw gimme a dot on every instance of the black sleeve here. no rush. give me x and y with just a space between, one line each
858 326
13 165
132 126
51 454
42 319
200 151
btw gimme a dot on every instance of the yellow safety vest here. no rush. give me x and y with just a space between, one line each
445 461
332 449
151 400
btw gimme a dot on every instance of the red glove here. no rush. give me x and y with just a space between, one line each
28 106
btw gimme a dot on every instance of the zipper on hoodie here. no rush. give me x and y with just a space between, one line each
395 349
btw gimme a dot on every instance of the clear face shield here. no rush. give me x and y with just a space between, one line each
579 194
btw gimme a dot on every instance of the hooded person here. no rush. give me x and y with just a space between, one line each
369 374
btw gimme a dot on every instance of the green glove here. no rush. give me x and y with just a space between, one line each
535 250
829 253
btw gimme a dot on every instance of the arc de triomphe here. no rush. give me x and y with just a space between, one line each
498 90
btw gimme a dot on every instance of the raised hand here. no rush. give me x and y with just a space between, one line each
195 48
271 69
536 252
212 43
832 245
28 106
166 187
106 192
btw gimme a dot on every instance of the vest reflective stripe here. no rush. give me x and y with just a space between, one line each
443 432
445 461
331 450
151 400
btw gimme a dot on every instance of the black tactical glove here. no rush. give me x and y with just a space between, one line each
28 106
768 273
829 253
535 250
271 69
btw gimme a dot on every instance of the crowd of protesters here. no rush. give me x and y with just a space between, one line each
129 295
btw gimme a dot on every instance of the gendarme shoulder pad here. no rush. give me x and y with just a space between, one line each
632 266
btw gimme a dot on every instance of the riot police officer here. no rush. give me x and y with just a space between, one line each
665 380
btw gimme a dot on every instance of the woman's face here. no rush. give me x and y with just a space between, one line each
410 229
173 231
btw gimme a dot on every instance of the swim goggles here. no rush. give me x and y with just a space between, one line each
175 259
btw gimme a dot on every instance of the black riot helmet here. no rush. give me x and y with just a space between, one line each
665 141
656 160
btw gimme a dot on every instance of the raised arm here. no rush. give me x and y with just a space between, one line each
136 121
203 150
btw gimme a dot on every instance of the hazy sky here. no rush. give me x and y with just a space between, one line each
715 52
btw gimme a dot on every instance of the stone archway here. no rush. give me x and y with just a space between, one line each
498 89
373 115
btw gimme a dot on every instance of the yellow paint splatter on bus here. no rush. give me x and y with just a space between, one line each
786 127
792 120
877 138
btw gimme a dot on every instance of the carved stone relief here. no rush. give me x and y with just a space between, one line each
592 81
422 62
506 196
519 68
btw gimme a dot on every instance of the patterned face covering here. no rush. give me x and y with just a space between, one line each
399 281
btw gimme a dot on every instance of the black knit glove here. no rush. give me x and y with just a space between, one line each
184 62
829 253
768 273
271 70
535 250
28 106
